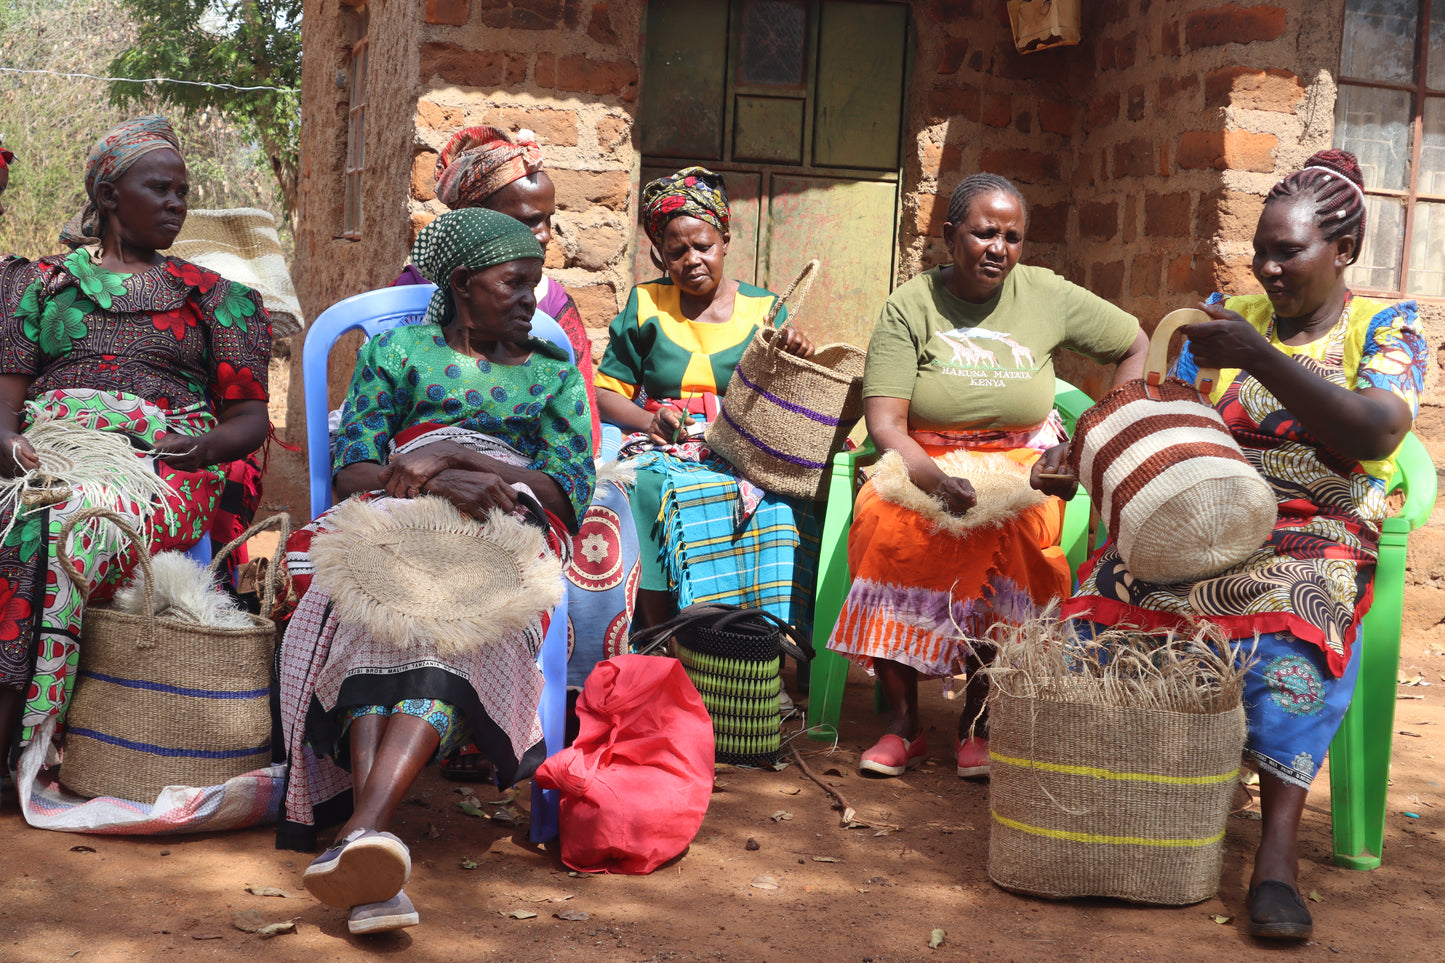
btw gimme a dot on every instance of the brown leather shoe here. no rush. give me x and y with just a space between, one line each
1278 912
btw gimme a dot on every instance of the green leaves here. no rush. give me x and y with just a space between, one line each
62 320
235 307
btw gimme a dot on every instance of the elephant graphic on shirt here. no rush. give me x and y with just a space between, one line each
967 352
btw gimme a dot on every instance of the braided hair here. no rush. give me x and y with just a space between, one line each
1331 179
976 185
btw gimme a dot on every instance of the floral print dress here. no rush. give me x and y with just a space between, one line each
146 354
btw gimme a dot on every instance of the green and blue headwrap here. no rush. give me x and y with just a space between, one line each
473 238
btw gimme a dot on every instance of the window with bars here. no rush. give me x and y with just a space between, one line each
351 219
1390 113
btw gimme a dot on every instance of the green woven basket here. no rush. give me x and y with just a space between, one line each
733 655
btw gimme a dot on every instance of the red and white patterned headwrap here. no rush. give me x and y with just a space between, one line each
479 161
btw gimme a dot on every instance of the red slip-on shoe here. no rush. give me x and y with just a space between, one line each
891 756
972 757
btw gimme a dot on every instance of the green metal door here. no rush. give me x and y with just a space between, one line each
799 104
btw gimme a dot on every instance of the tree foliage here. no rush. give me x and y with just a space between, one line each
51 121
241 42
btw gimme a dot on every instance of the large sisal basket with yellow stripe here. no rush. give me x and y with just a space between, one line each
1179 498
783 417
1099 787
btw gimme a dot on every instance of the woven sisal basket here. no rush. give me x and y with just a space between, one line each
161 702
1179 498
1095 792
784 417
734 656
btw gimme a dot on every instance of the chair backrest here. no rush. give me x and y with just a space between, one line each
371 312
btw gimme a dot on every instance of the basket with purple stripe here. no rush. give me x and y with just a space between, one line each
1180 500
163 702
784 417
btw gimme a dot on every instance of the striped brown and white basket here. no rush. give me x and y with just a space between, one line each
1176 492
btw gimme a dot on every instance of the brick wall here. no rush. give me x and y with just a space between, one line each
570 72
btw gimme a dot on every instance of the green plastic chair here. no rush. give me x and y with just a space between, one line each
1360 754
828 672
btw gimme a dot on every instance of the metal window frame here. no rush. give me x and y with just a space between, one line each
1412 194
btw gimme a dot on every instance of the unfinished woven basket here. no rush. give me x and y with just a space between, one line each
163 702
1176 492
1100 785
783 416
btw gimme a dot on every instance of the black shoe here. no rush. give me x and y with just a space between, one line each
1277 912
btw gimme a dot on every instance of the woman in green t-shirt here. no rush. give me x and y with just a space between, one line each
960 364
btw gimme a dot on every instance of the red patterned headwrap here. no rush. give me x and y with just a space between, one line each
5 158
479 161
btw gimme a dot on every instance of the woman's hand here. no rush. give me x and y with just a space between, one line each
472 492
793 341
1051 474
17 456
957 495
669 426
406 475
1228 341
184 452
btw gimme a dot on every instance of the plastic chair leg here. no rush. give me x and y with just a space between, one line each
553 710
1360 752
201 551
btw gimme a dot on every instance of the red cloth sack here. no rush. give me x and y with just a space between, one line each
636 783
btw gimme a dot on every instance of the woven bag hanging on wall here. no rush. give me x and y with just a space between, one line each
1180 499
783 417
163 702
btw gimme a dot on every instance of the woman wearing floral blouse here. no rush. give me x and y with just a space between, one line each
117 337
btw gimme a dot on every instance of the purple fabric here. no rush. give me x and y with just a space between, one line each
409 275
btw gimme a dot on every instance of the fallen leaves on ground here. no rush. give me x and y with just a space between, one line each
253 921
936 938
521 914
1221 919
257 890
764 882
782 815
575 916
468 863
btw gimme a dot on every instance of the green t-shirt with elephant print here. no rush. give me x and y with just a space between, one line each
989 366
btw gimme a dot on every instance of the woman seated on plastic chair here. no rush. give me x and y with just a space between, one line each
670 354
1319 387
468 408
961 362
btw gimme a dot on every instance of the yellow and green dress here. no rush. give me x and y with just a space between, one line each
705 534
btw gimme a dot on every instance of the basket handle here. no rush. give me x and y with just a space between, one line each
143 555
1156 365
802 284
282 523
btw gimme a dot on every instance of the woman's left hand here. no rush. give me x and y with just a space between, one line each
793 341
473 492
1228 341
1054 462
184 452
406 475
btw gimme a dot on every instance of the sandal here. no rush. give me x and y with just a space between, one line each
468 764
1278 912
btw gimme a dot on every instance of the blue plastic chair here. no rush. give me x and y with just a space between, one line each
374 312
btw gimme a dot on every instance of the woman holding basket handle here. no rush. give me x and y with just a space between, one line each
670 354
1319 387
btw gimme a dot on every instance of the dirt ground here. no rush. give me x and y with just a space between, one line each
856 894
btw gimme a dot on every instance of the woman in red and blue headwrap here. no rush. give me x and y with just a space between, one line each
116 337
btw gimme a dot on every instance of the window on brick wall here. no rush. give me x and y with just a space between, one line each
1390 112
355 142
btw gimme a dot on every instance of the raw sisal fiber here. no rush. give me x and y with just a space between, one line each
1113 762
1001 484
418 571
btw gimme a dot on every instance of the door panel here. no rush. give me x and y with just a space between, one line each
828 218
768 129
861 52
687 52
